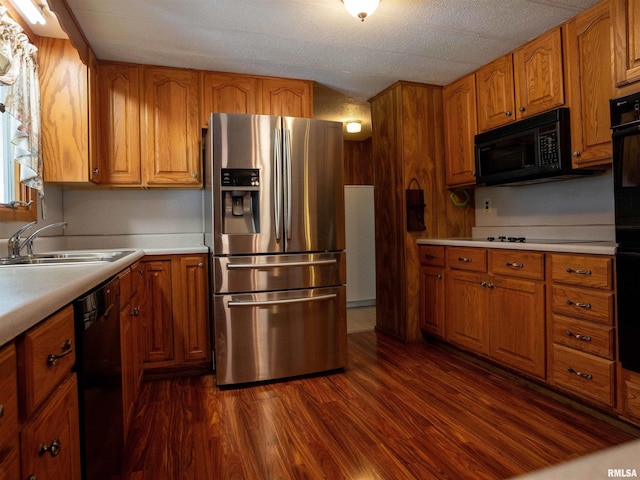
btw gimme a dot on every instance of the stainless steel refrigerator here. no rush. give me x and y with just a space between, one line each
274 222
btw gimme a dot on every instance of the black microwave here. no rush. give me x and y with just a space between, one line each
534 150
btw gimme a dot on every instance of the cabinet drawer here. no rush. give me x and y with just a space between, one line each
8 395
595 271
50 443
46 353
517 263
432 255
585 336
582 303
584 374
465 258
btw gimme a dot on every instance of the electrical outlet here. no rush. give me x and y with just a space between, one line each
487 205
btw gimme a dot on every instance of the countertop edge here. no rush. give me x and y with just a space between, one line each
32 295
595 248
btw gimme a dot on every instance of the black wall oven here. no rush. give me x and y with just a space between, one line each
625 123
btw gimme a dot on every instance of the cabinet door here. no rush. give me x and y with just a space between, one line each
171 146
127 349
228 93
96 169
292 98
432 296
65 112
50 443
119 123
495 94
459 131
517 324
625 15
158 318
538 75
467 309
191 308
589 75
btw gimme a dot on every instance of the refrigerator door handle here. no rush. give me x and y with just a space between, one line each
287 172
231 266
277 180
259 303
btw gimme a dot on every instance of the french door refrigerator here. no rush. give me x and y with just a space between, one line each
274 223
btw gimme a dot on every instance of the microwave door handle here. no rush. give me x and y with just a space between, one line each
626 131
277 181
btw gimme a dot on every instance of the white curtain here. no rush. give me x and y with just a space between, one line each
19 71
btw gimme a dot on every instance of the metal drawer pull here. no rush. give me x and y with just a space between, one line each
52 359
586 338
231 266
428 255
587 376
514 265
578 304
464 259
259 303
53 449
579 272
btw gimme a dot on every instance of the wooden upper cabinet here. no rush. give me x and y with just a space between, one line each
171 131
119 123
625 16
539 80
460 130
95 159
229 93
495 96
281 96
65 112
523 83
588 74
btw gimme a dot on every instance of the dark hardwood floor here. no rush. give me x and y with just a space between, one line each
399 411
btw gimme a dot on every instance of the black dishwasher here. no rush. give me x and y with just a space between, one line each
98 366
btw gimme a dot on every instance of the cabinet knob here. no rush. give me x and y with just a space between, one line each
194 175
439 277
96 170
200 265
1 410
522 109
53 448
576 154
508 114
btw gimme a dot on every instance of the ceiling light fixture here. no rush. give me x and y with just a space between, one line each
30 11
354 126
361 8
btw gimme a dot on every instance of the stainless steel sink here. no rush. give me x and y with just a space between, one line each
66 258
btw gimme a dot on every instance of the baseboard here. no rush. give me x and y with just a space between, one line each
362 303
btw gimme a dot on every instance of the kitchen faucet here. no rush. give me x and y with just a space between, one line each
16 244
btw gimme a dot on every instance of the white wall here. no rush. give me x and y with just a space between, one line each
360 241
580 208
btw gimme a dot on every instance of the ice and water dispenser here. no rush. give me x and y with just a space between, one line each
240 189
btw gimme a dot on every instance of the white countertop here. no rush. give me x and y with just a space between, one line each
564 246
30 293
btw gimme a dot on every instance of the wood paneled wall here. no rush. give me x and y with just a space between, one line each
358 162
408 142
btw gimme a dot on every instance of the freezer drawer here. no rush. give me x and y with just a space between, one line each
265 336
259 273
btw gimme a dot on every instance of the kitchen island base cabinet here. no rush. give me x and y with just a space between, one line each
175 318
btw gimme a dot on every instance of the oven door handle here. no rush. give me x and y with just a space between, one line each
261 303
624 132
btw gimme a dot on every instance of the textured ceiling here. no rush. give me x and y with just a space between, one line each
427 41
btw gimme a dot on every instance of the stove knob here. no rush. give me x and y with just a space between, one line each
502 239
491 239
512 239
520 239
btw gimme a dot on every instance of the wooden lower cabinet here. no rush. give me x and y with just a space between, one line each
9 423
50 441
630 395
432 309
467 307
516 324
175 317
494 305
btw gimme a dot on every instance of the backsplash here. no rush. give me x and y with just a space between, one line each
581 208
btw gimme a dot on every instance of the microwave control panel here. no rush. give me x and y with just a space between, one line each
548 146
